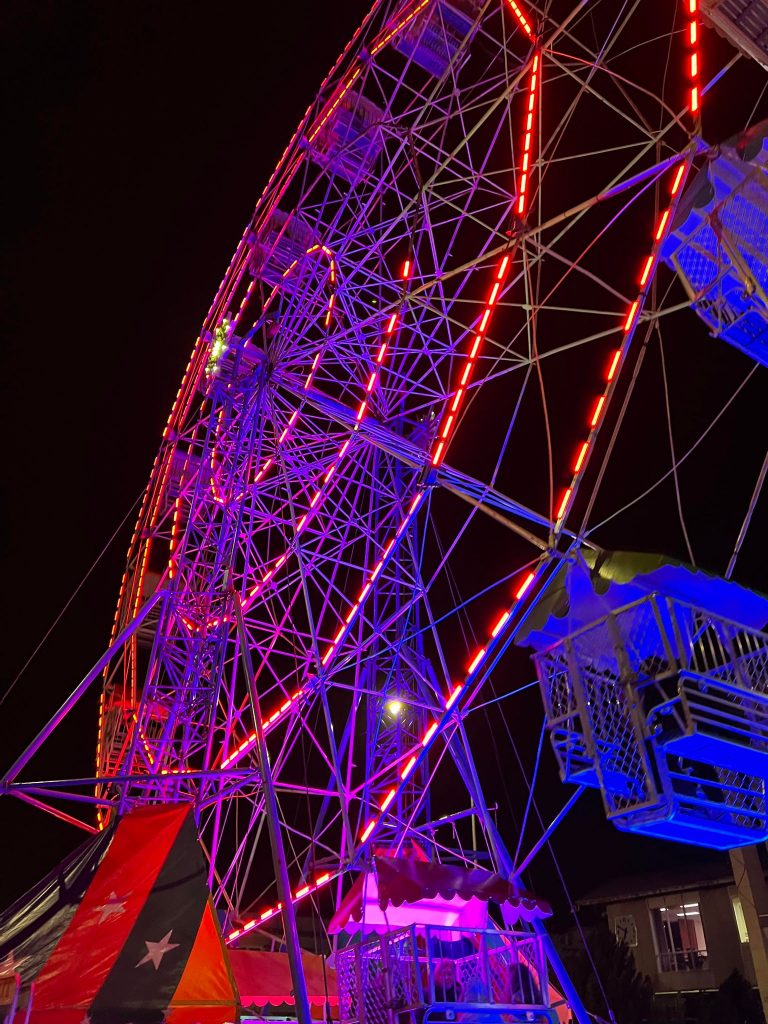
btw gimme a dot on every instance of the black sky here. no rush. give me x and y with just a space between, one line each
137 138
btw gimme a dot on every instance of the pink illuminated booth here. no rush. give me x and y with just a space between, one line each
423 947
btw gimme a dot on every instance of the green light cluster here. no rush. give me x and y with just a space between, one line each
219 346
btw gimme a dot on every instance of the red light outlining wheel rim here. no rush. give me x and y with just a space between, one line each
415 297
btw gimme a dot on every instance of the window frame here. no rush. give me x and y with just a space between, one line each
672 960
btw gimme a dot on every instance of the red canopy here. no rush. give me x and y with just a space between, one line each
265 978
417 883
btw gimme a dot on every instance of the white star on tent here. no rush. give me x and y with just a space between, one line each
86 1019
157 950
112 907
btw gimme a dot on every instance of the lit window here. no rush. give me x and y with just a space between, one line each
679 936
741 924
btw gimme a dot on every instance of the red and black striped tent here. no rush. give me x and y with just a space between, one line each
124 932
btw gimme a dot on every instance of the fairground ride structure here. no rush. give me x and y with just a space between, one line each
400 425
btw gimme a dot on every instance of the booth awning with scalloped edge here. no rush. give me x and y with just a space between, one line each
264 980
401 891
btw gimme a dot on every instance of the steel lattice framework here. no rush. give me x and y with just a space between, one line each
363 410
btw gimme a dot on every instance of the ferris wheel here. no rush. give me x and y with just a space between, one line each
395 427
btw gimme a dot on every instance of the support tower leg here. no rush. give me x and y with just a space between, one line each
753 893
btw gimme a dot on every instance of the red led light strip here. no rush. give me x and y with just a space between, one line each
693 63
448 423
247 744
332 274
617 357
433 730
533 91
197 356
277 716
199 353
446 430
693 60
386 37
212 623
450 701
271 912
392 324
522 20
324 117
241 253
389 34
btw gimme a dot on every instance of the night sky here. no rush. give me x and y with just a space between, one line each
137 138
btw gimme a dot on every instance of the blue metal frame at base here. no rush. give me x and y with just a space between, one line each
494 975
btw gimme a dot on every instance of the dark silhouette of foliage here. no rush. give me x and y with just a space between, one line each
628 993
736 1002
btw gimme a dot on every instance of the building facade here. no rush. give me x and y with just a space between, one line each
686 930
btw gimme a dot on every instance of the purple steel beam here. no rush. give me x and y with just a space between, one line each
61 815
549 830
78 692
209 773
275 834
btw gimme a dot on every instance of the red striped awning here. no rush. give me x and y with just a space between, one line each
265 979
